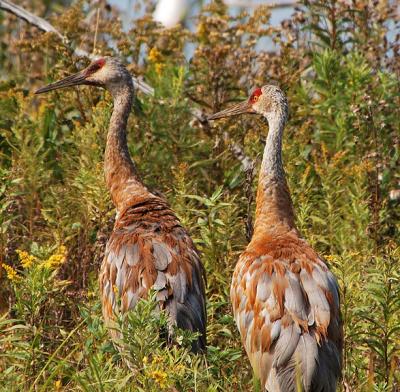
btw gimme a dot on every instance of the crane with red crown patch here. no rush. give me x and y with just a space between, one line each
148 248
284 298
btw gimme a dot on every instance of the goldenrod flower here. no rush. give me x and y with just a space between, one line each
43 107
337 157
55 260
58 385
306 173
179 368
159 377
354 253
157 359
25 258
159 68
324 151
11 272
202 30
154 55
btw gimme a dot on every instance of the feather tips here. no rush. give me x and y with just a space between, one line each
286 306
149 249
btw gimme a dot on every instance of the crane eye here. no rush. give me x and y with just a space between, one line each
256 95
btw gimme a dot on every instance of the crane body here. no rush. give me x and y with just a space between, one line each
285 300
148 247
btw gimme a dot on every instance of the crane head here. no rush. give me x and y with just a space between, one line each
266 101
106 72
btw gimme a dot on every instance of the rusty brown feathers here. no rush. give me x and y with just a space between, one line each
148 247
284 298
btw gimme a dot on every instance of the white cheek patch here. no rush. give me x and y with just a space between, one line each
100 74
258 107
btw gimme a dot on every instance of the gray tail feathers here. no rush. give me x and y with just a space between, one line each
312 368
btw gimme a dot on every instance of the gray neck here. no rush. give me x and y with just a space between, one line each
121 176
272 166
117 152
274 208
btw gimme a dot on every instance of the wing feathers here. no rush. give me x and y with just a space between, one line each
286 344
160 282
162 255
317 299
149 249
132 254
286 306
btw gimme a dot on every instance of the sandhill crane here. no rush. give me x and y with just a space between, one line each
284 298
148 247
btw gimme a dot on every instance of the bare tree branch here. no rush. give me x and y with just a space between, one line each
45 26
37 21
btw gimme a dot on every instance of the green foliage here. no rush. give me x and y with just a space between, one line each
340 69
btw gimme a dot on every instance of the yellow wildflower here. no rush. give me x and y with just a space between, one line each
43 107
359 170
145 360
159 377
337 157
330 258
55 260
58 385
306 173
159 68
157 359
115 288
180 368
25 258
11 272
154 55
202 31
324 151
201 28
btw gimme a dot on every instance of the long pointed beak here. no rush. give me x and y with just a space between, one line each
240 108
72 80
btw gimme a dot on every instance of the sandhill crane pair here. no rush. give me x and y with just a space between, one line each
284 298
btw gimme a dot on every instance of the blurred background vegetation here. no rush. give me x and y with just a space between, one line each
338 62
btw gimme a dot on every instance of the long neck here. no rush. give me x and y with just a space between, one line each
121 175
274 211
